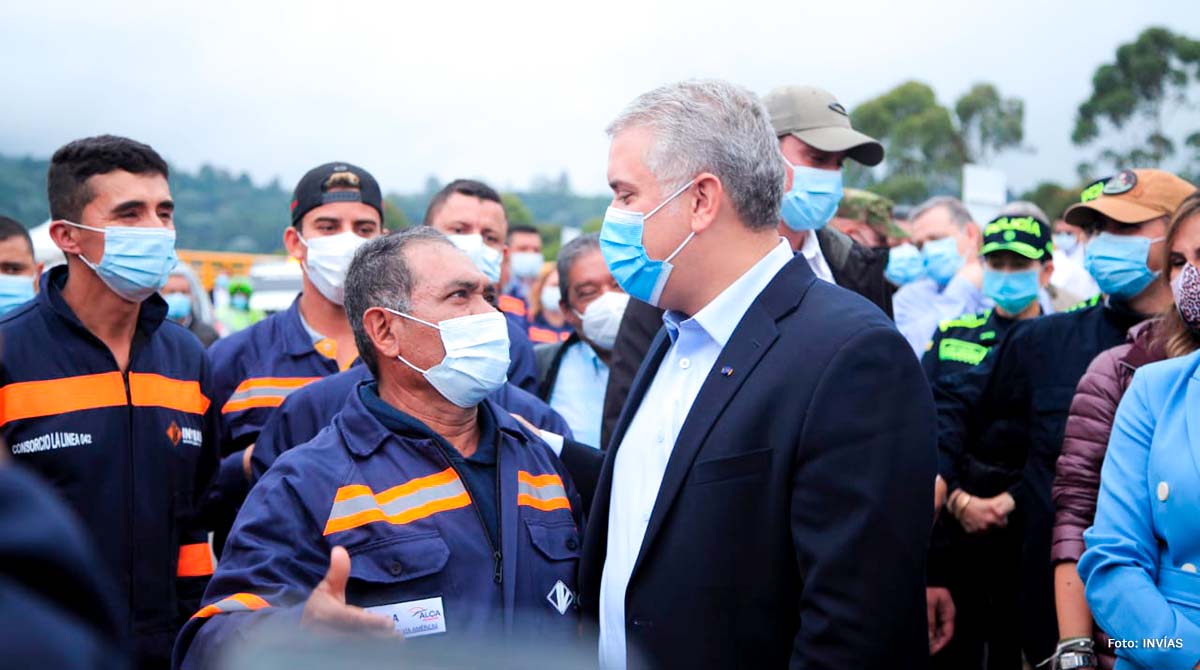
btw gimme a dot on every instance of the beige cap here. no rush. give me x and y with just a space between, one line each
1132 196
816 118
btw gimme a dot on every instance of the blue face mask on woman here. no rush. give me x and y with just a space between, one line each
137 261
1012 291
942 260
15 290
904 264
1118 264
621 244
813 198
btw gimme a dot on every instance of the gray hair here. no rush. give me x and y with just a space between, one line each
959 214
569 255
379 276
712 126
1024 208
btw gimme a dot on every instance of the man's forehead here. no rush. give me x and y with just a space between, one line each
15 249
120 186
352 211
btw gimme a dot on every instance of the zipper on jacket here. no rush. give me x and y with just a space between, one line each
497 557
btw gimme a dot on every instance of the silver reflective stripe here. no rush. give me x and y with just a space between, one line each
546 492
232 605
405 503
260 391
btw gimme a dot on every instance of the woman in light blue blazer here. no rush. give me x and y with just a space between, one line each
1139 569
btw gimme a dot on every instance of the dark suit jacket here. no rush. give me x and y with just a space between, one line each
854 267
792 521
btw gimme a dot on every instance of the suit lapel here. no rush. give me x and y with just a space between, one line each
751 339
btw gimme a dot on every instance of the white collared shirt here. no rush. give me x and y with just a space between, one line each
811 250
641 460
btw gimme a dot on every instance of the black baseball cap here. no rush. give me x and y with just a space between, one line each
313 189
1027 236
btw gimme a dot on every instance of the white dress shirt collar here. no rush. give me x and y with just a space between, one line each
720 317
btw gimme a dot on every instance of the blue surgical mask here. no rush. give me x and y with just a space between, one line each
137 261
1118 264
179 306
1012 291
813 199
486 259
239 301
904 264
1065 242
621 244
476 361
15 290
942 260
526 264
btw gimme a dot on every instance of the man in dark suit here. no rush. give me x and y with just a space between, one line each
765 500
815 136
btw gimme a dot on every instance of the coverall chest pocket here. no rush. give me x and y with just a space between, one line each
397 570
551 584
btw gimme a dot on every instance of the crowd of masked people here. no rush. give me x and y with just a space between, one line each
758 420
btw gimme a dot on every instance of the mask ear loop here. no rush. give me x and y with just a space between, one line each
664 203
81 257
421 321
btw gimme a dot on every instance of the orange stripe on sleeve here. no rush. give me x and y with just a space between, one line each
28 400
149 390
275 382
195 560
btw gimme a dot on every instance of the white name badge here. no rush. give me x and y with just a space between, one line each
415 617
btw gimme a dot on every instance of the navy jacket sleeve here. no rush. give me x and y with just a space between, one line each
295 419
275 556
195 565
875 461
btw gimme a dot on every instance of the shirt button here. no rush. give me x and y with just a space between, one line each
572 544
1163 491
395 568
1188 567
685 363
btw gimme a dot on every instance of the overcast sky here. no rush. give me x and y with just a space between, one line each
509 90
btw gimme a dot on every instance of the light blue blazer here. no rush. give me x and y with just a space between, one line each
1139 569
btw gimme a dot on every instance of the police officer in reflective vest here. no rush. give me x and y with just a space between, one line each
425 508
1018 262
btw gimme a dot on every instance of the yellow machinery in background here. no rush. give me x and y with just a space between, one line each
209 264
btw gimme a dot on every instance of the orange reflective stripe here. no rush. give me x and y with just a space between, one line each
354 490
543 505
357 505
238 602
538 480
541 492
408 516
512 305
148 390
542 335
27 400
264 392
195 560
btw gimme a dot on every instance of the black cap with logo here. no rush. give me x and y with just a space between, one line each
1024 235
314 189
